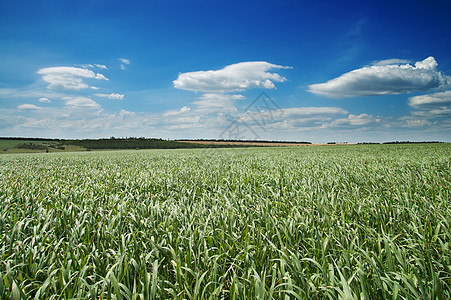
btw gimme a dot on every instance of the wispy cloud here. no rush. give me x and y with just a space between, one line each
311 111
431 100
28 106
384 79
391 61
44 100
124 63
232 78
81 102
214 103
91 66
113 96
293 117
68 78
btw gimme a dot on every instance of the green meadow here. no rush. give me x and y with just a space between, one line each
319 222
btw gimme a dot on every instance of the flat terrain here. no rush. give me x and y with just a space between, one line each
348 222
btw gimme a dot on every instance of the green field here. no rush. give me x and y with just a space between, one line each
29 145
337 222
7 144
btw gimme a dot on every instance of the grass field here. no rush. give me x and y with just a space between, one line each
344 222
6 144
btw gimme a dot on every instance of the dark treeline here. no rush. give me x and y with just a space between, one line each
408 142
243 141
30 139
130 143
400 142
138 143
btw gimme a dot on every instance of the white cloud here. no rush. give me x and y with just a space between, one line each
81 102
209 111
355 120
432 106
384 79
185 109
124 62
44 100
313 111
94 66
184 120
414 122
123 119
391 61
294 117
124 113
169 113
236 77
28 106
362 119
220 97
215 108
78 120
111 96
217 103
433 113
436 99
68 78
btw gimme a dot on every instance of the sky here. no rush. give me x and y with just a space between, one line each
318 71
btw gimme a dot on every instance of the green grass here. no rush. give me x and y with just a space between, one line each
7 144
350 222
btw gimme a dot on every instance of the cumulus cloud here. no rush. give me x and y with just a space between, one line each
236 77
81 102
124 63
44 100
356 120
28 106
113 96
431 100
384 79
68 78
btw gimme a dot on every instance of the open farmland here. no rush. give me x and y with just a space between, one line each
347 222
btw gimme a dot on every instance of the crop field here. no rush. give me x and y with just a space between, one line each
338 222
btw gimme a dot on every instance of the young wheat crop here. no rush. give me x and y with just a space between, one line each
338 222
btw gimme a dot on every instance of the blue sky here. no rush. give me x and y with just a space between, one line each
330 70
